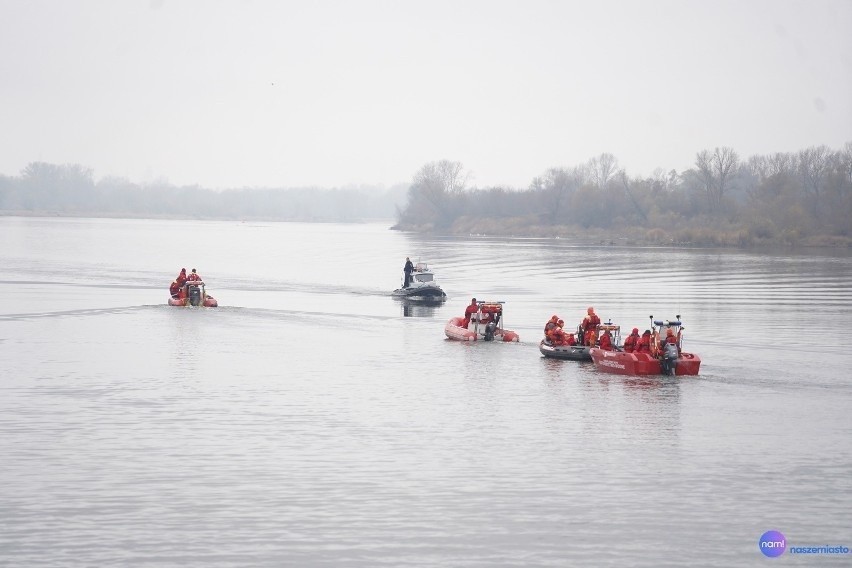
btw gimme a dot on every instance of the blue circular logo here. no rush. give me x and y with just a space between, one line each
772 544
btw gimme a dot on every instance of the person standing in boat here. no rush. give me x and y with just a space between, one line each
590 327
632 340
470 311
407 270
181 279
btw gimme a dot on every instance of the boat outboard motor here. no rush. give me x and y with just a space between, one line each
490 328
669 362
194 296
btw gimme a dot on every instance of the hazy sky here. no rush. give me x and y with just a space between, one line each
278 93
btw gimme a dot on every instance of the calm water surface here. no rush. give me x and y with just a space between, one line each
312 420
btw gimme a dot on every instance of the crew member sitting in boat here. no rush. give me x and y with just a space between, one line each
550 325
181 278
669 353
470 312
632 340
193 277
570 339
589 327
557 336
174 289
670 339
606 341
643 345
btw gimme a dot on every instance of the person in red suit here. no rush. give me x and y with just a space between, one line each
606 341
193 276
469 311
644 343
671 338
174 289
181 279
550 326
631 341
590 324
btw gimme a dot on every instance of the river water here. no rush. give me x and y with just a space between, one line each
312 420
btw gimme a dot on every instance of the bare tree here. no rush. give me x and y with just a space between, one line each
780 163
602 169
845 164
726 162
715 172
814 164
626 183
434 188
557 186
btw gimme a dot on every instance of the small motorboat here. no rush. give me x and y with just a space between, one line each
485 325
570 352
193 293
578 352
422 286
654 363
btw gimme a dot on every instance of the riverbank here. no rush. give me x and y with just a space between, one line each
525 227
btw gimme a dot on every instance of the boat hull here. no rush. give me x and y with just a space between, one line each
455 330
209 302
420 292
567 352
623 363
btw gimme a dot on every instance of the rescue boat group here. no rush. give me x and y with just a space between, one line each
658 351
190 290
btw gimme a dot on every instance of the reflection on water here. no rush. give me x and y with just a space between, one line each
420 308
313 420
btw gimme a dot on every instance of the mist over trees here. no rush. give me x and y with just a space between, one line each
802 197
71 189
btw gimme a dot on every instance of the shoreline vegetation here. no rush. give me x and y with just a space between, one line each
799 198
796 199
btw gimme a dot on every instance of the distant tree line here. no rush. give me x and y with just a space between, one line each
802 197
71 189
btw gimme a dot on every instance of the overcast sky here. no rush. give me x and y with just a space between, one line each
330 93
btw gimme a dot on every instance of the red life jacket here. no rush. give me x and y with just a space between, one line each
631 342
591 322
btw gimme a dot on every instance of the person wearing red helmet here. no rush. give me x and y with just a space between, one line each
670 339
606 341
669 353
631 341
470 311
643 345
